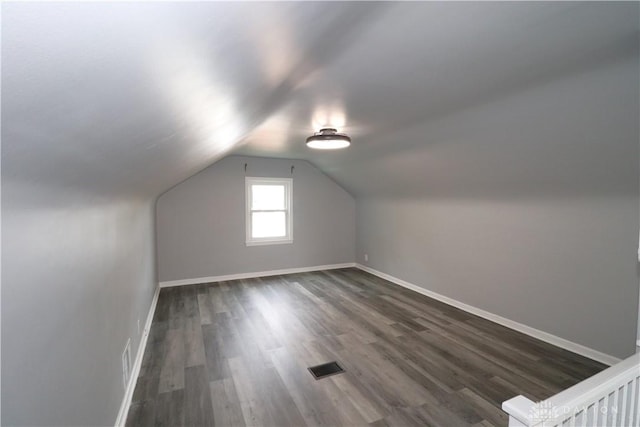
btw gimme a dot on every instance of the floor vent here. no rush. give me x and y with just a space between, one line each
325 370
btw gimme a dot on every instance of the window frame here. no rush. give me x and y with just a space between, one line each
288 210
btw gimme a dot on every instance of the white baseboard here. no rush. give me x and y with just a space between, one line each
213 279
536 333
135 370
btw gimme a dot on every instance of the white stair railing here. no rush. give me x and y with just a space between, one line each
609 398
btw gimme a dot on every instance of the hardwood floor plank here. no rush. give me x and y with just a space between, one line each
410 368
391 376
216 362
177 312
205 307
371 383
155 350
146 388
226 404
217 298
142 413
251 394
169 409
489 412
193 342
197 397
173 363
190 298
280 403
367 407
162 306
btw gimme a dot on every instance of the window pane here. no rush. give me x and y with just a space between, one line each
268 224
267 197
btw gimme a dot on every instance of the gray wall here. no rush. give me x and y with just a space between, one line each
77 274
201 222
526 207
564 266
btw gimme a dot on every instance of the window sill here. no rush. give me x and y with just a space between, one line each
269 242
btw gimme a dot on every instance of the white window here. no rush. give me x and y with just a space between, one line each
268 210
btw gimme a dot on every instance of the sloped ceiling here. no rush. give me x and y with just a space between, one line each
121 98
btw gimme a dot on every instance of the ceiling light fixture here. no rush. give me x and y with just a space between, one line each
328 139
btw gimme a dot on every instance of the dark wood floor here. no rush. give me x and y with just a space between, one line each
236 353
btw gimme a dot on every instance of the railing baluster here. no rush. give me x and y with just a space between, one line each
592 414
572 421
613 410
633 401
623 406
636 405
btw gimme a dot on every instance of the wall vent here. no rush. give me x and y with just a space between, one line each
126 363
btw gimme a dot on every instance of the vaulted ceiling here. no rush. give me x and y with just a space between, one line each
440 98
